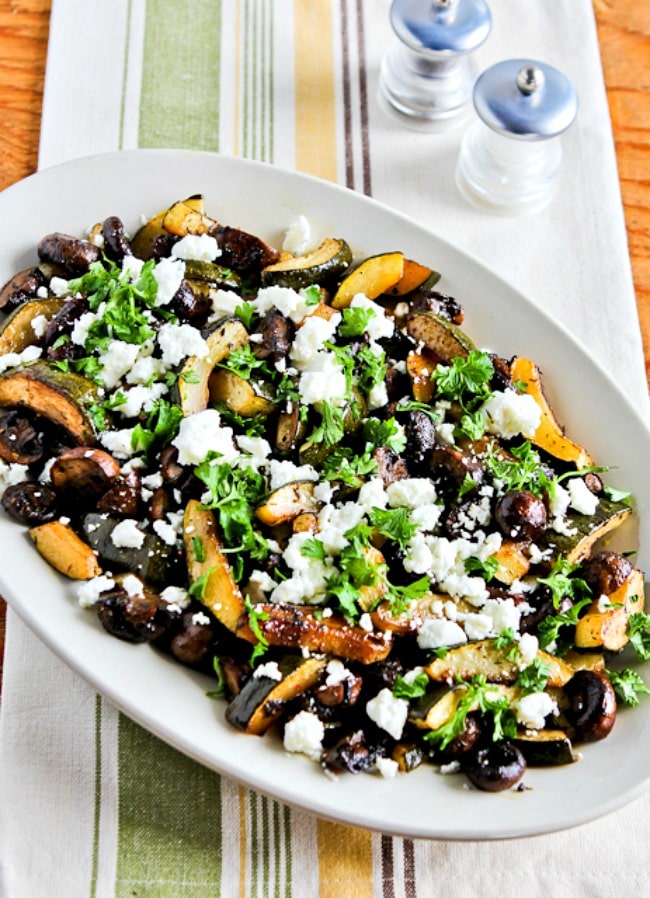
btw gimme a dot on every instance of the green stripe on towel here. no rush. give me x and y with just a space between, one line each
169 841
179 105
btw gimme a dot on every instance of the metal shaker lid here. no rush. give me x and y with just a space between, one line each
525 99
442 27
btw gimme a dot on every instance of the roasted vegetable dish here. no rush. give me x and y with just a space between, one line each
293 470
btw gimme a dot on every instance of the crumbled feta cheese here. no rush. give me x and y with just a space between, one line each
39 325
411 492
118 442
435 633
365 622
168 273
418 558
372 494
89 591
582 499
259 583
304 734
13 359
116 361
127 534
200 619
11 473
290 302
281 472
132 585
199 247
388 712
445 433
508 414
387 767
297 237
202 433
224 303
451 767
378 396
132 266
337 673
140 399
310 339
146 367
59 286
379 326
257 449
270 670
426 516
175 595
178 341
533 709
322 379
165 531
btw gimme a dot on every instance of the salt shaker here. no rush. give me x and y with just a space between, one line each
510 158
428 74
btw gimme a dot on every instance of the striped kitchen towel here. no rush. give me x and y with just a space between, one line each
94 806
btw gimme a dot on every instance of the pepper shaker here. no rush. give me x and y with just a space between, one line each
510 158
428 74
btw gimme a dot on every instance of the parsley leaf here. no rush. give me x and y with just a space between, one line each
255 615
384 433
354 321
394 523
549 629
534 677
475 696
345 465
638 628
486 569
234 493
465 379
628 685
159 429
562 584
413 688
245 312
313 548
331 429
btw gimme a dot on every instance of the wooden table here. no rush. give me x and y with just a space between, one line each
624 33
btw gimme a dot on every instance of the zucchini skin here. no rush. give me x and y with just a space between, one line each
63 397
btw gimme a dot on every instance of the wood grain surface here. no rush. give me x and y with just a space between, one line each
624 35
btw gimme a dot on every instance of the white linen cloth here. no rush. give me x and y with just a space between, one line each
60 831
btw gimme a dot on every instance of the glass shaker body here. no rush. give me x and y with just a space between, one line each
506 175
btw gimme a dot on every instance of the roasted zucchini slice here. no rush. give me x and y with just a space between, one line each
150 561
16 331
483 658
60 546
583 531
205 276
63 397
374 276
205 559
608 628
287 502
326 263
443 339
247 398
414 275
263 699
192 390
545 748
301 627
549 436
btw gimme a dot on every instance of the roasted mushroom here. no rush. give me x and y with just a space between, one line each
592 705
